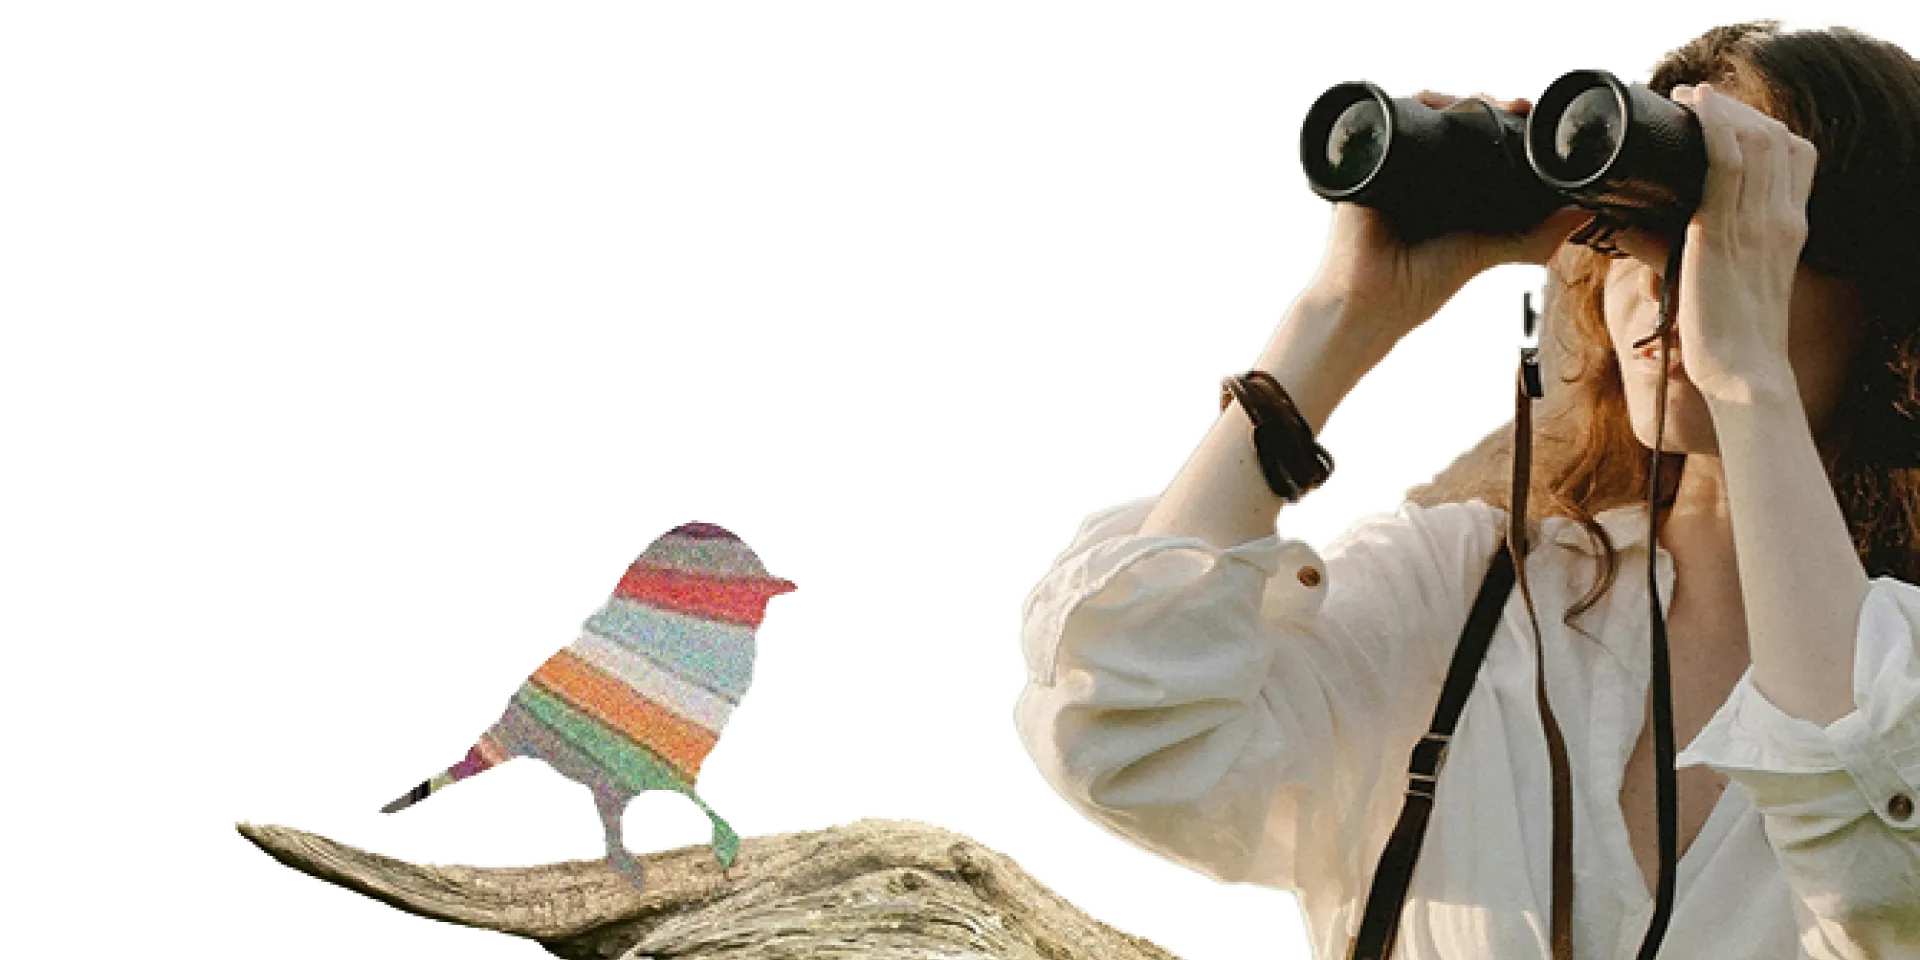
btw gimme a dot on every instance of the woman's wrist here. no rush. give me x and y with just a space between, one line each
1320 354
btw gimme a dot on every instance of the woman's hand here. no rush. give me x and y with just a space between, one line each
1743 248
1401 286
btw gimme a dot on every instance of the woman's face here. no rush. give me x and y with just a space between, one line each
1824 327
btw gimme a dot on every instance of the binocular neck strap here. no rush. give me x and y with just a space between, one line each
1526 389
1666 787
1380 918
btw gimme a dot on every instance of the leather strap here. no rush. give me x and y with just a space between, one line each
1380 923
1380 920
1666 780
1561 928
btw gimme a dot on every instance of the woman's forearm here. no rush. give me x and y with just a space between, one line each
1318 353
1800 580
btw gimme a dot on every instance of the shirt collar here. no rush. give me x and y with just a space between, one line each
1627 524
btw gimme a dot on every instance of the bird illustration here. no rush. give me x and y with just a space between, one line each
639 700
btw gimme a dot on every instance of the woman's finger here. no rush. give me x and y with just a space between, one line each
1805 159
1761 154
1721 192
1781 180
1794 162
1440 101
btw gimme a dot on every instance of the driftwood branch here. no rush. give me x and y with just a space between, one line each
876 890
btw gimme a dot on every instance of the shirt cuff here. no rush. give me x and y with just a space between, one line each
1108 547
1865 762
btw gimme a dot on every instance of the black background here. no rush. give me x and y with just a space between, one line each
504 323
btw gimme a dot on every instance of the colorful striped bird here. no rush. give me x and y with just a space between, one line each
639 700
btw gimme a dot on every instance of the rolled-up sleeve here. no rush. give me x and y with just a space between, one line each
1840 801
1226 707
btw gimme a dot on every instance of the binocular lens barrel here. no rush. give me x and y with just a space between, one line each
1346 138
1430 171
1623 150
1627 152
1356 144
1588 134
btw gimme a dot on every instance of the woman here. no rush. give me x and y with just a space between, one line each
1231 699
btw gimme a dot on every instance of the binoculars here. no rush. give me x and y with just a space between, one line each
1633 156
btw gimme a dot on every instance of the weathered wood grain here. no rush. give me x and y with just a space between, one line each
876 890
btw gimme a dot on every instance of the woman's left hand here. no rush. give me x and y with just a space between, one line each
1743 248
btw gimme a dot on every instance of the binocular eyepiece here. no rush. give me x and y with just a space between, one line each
1626 152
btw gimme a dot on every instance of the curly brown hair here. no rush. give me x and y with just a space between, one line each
1857 99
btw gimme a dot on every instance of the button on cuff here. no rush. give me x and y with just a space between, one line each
1874 771
1900 807
1298 584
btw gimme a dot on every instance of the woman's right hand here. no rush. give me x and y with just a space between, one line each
1399 286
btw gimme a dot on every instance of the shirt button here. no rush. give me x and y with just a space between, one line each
1309 576
1900 807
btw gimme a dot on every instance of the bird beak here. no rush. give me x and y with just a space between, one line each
779 586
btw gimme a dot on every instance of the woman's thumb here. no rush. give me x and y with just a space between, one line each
1539 245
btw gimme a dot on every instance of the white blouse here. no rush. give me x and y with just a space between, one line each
1248 712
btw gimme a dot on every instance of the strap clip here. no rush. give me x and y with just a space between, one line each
1529 347
1423 770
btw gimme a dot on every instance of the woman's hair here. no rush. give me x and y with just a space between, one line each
1857 100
